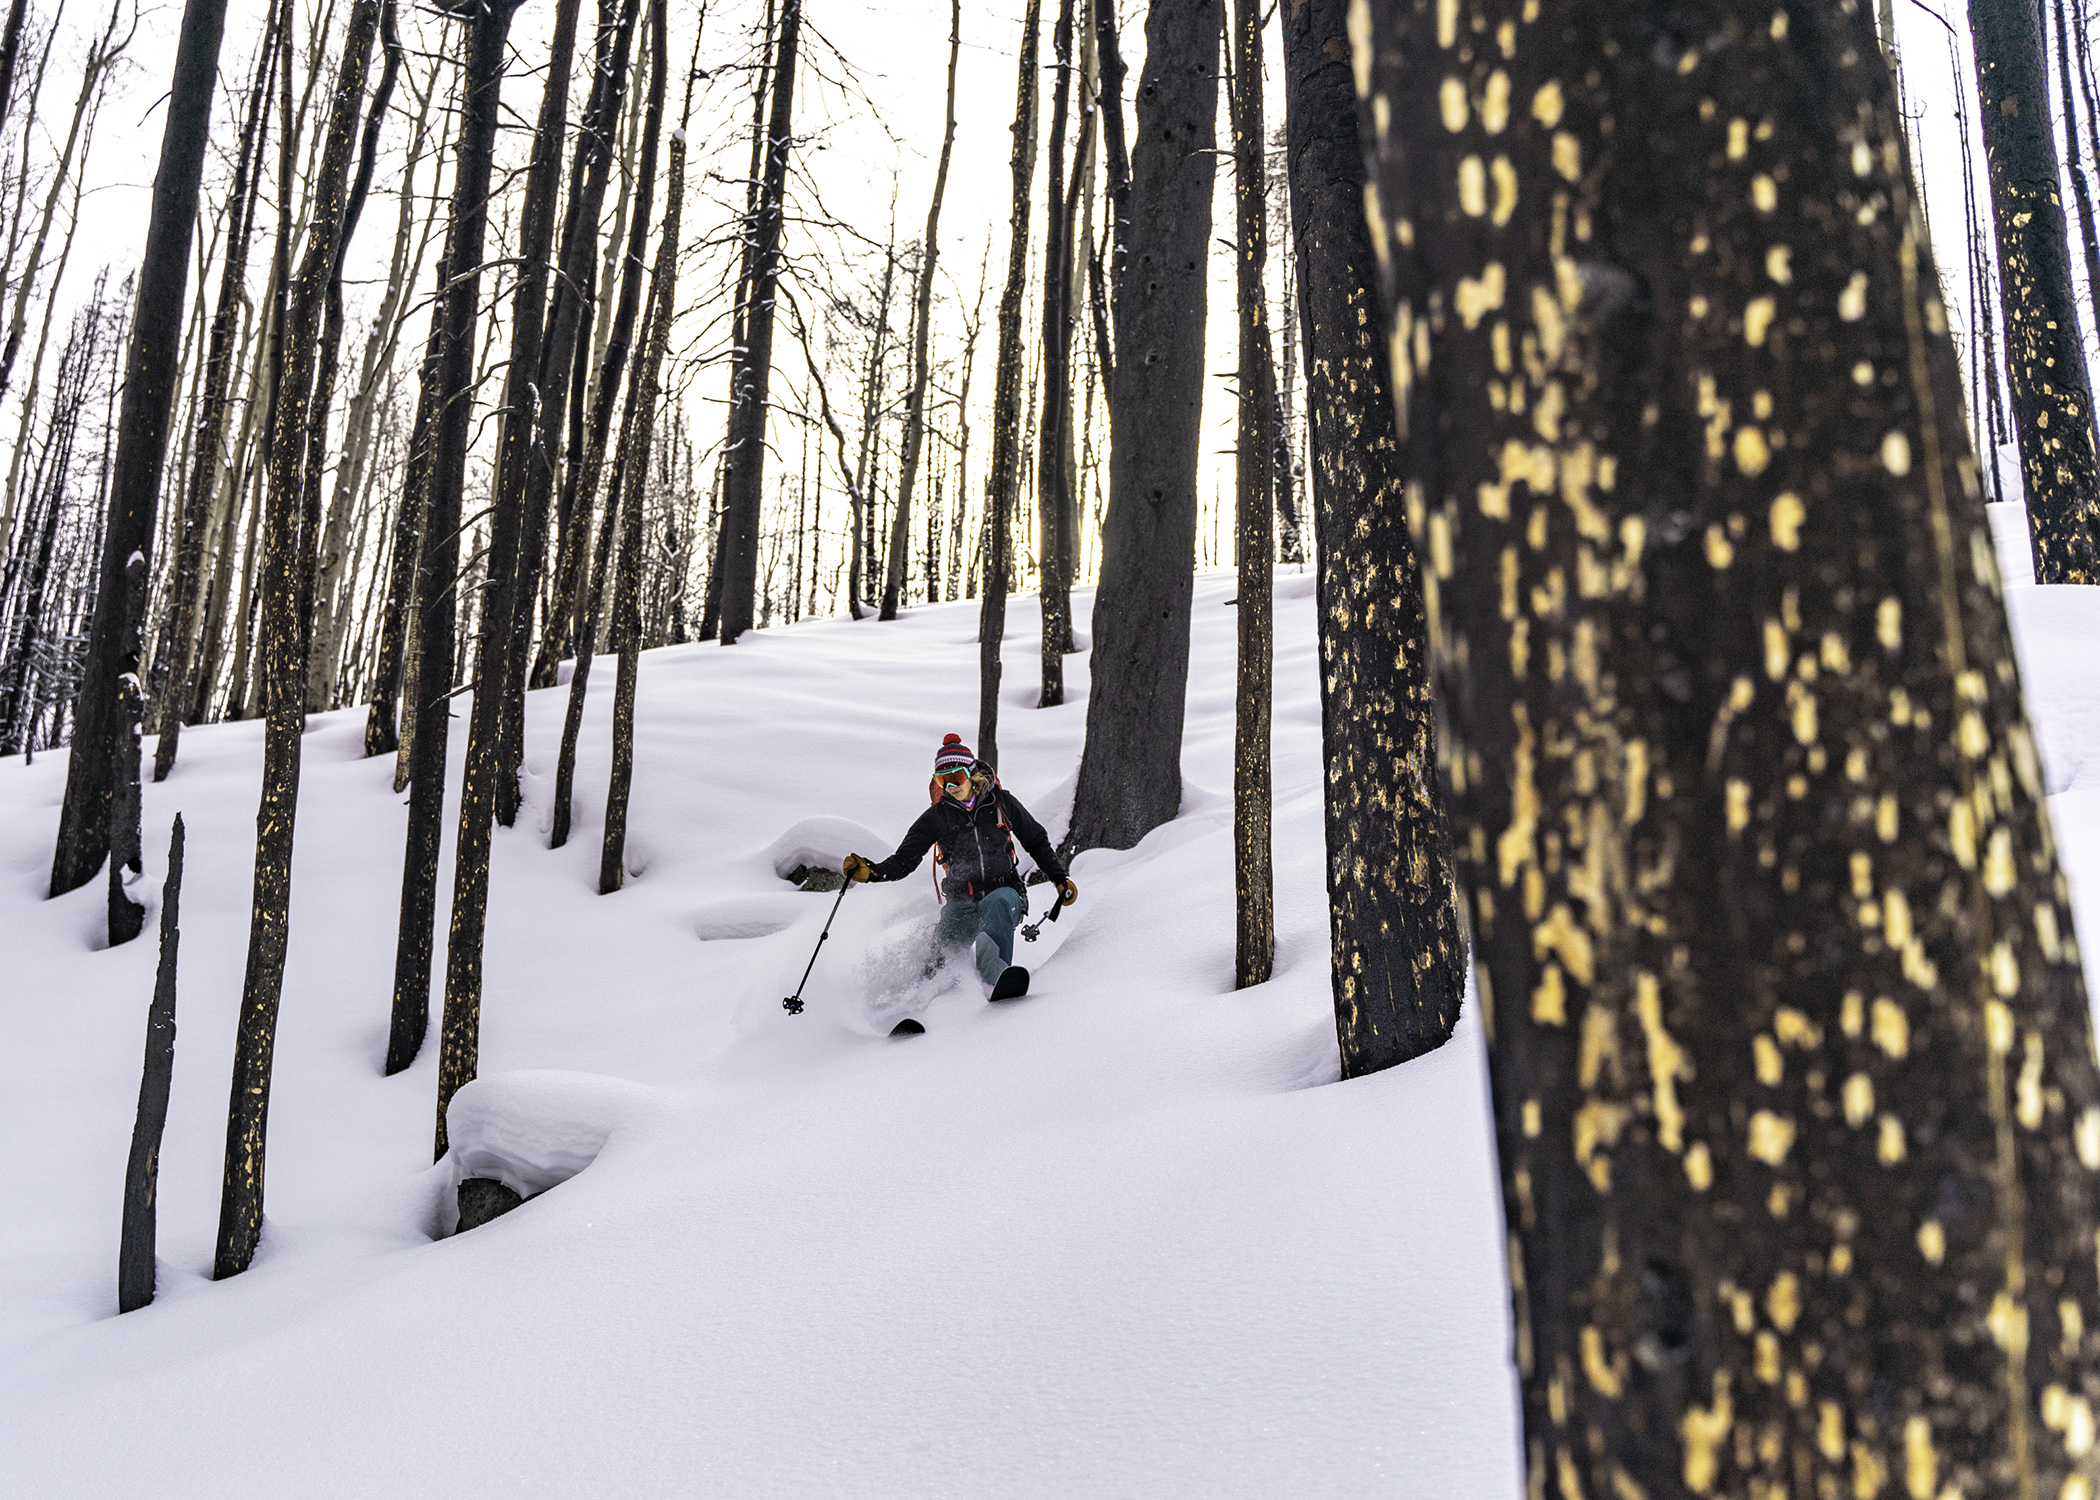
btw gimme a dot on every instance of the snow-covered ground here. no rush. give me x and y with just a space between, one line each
1127 1237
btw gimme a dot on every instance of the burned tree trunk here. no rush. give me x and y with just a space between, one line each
1398 937
743 484
1002 488
1254 886
2052 397
1130 772
287 539
1055 518
126 917
488 23
922 332
627 615
151 372
135 1249
1793 1071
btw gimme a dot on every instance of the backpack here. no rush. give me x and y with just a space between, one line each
940 858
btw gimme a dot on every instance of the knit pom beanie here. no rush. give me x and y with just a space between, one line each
953 755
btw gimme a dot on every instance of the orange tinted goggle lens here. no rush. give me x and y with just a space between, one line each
952 778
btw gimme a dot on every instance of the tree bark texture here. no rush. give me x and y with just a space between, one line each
488 23
126 917
1793 1072
584 479
627 614
1002 486
1254 943
208 459
288 526
1397 933
1055 480
922 333
2052 397
135 1249
151 373
1130 771
743 484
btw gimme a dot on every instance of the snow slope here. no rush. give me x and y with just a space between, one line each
1127 1237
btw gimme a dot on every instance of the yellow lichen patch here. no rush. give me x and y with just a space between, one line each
1477 298
1932 1241
1862 875
1636 782
1766 1357
1886 817
1997 1027
1548 104
1970 735
1783 1301
1567 155
1891 1027
1472 186
1559 934
1600 1044
1787 515
1667 1063
1597 1124
1505 179
1451 98
2086 1137
1890 1147
1852 301
1858 1099
1896 906
1494 102
1719 552
1778 25
1998 875
1604 1379
1961 834
2007 1321
2072 1317
1830 1430
1699 1167
1704 1429
1771 1137
1777 656
1549 1002
1795 1029
1895 453
1852 1013
1738 804
1856 764
1779 264
1757 319
1888 623
1738 139
1531 1119
1765 1058
1804 713
1752 453
1869 1473
1764 193
1921 1466
2027 1093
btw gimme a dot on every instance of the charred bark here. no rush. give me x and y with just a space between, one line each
135 1248
1254 946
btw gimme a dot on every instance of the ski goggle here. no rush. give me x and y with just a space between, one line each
957 778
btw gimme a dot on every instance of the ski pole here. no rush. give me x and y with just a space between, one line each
793 1003
1034 929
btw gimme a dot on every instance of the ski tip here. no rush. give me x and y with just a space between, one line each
1012 983
907 1027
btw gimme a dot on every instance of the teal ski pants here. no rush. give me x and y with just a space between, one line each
987 925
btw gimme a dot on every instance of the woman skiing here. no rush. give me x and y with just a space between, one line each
971 828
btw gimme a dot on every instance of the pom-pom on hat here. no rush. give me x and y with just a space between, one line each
953 755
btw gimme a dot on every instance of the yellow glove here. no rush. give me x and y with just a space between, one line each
858 868
1068 891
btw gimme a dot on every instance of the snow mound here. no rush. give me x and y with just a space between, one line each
821 841
536 1128
748 917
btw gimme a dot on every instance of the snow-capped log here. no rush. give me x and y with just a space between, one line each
820 843
532 1130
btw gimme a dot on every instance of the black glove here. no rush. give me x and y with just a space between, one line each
858 868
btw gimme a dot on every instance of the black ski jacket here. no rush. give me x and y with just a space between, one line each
979 855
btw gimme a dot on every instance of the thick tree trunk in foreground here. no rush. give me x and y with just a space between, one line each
627 613
1130 773
1002 487
1794 1082
1254 947
2052 397
1398 938
151 373
743 482
288 527
135 1249
922 331
488 22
